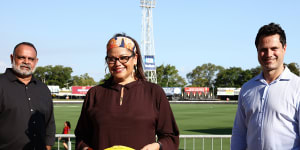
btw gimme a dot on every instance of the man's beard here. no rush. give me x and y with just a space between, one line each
23 72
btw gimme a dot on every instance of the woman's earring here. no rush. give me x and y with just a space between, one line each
134 71
135 68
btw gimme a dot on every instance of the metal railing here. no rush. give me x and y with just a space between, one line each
69 136
182 137
202 144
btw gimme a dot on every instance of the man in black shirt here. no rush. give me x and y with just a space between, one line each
26 108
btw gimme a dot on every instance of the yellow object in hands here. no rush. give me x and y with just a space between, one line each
119 147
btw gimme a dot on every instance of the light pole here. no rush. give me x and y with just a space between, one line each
67 84
213 91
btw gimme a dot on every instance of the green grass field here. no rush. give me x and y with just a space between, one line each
192 119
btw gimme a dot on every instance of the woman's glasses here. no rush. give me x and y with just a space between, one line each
122 59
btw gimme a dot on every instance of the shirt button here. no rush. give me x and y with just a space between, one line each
31 109
29 98
33 122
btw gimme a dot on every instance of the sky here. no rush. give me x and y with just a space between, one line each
187 33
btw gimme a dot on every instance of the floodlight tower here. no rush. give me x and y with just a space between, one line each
147 44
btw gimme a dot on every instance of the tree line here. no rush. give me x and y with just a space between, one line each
206 75
60 75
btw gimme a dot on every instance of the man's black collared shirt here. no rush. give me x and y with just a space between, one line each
26 114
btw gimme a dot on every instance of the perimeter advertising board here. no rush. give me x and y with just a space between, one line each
196 90
228 91
54 89
172 90
80 89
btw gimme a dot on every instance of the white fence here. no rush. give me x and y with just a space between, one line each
203 138
212 141
69 136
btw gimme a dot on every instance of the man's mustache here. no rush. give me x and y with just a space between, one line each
25 65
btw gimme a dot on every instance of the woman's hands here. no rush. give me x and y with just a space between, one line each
153 146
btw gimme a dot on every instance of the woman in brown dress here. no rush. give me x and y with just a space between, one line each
126 110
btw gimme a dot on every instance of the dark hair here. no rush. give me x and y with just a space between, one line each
68 124
24 43
271 29
139 71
